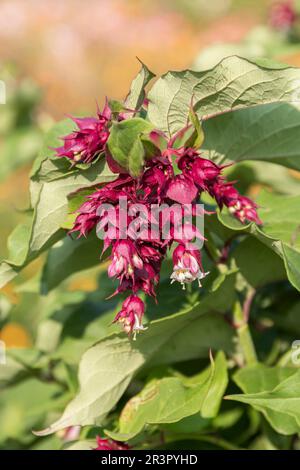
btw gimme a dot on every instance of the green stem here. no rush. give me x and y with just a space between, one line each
244 335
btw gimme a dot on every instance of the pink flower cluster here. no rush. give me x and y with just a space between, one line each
174 175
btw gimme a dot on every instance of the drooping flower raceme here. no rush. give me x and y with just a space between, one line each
138 247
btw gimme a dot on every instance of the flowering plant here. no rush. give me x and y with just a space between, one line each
153 192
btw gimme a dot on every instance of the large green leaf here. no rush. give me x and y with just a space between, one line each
70 330
11 371
18 243
49 214
107 368
287 318
25 405
275 392
171 399
69 256
18 148
52 206
234 83
51 140
87 444
125 144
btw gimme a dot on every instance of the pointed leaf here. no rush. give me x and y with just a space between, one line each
275 393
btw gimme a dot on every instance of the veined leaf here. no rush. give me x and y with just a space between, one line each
125 144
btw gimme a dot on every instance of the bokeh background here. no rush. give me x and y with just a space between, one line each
62 56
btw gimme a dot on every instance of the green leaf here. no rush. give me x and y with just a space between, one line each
75 200
51 141
274 392
18 148
136 95
52 169
171 399
52 205
193 424
267 133
17 243
20 363
12 370
24 406
287 319
50 213
125 144
69 256
107 368
280 230
87 444
260 378
258 264
233 84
